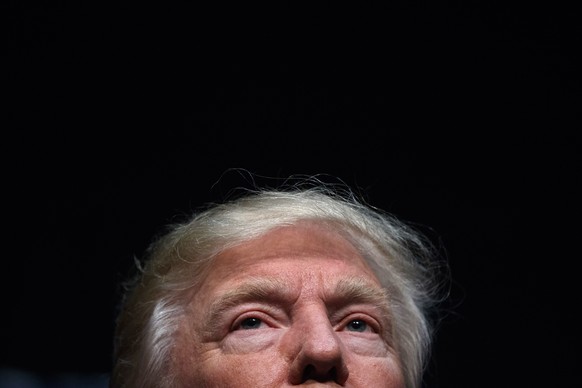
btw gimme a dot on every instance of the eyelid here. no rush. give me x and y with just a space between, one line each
258 314
373 324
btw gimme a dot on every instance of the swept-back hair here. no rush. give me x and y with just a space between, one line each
400 256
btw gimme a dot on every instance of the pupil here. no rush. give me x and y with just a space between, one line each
357 325
251 323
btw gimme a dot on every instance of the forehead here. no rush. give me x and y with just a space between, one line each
292 252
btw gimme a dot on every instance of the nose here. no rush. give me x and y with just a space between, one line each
319 353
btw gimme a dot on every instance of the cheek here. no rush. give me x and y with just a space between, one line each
251 370
364 344
382 373
250 341
371 362
239 360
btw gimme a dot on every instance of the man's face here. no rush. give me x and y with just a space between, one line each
297 306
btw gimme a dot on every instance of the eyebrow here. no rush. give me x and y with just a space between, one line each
360 291
348 291
268 290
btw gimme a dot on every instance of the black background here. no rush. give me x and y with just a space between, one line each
462 117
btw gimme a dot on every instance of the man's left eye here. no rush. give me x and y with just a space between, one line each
357 325
250 323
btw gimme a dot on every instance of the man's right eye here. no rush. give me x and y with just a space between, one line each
250 323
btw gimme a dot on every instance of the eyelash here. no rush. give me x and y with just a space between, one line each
263 318
371 323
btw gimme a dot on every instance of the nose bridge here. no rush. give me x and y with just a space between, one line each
319 351
320 341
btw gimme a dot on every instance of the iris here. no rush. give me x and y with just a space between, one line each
357 325
251 323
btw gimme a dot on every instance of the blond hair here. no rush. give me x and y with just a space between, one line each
400 257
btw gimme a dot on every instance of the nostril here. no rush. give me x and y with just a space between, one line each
332 374
311 373
308 372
